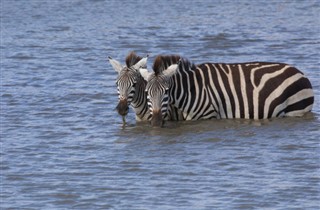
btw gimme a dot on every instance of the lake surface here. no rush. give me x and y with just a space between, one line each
63 145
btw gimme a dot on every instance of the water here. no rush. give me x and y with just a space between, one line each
63 145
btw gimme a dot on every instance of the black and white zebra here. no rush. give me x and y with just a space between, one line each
131 86
256 90
161 63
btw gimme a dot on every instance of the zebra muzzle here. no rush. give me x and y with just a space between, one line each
123 107
156 120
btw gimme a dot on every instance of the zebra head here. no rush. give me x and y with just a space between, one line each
128 76
158 87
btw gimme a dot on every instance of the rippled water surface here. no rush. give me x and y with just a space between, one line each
63 145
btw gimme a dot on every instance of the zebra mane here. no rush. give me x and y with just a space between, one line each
132 59
186 64
162 62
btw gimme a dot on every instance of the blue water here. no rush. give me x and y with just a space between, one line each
63 145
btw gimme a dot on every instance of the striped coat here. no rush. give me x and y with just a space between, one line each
255 90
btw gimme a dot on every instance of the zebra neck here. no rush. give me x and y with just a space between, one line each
185 103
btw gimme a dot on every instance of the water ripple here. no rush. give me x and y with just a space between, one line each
63 145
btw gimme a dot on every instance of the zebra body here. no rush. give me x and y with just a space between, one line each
256 90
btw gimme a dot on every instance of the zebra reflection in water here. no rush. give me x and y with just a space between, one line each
256 90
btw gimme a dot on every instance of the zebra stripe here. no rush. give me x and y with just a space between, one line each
256 90
243 94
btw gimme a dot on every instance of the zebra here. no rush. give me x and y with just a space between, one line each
131 86
254 90
161 63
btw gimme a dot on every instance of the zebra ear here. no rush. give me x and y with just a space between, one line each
171 70
115 64
142 63
144 73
